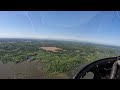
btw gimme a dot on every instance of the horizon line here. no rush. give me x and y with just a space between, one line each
73 40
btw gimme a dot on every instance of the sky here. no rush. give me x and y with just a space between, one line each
93 26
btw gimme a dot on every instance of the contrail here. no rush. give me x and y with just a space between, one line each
30 21
99 23
117 14
41 19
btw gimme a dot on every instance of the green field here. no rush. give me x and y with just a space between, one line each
71 55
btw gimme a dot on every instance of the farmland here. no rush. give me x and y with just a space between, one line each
54 56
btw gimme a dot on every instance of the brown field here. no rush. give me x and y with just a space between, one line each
53 49
76 50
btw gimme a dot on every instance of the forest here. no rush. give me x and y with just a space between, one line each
71 55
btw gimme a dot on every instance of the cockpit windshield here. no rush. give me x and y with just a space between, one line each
55 44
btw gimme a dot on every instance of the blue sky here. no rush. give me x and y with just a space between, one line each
93 26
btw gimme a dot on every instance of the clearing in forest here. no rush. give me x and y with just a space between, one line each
53 49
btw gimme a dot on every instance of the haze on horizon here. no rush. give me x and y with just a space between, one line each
92 26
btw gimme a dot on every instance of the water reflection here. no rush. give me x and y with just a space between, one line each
27 70
22 70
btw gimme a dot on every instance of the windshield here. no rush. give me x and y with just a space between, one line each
55 44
